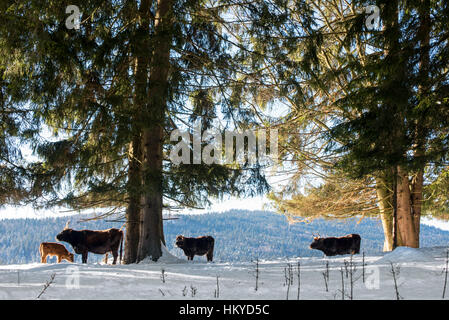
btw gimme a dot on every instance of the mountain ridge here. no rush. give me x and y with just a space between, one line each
240 235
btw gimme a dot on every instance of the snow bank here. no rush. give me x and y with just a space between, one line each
166 257
93 281
405 254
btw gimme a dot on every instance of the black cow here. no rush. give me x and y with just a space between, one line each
332 246
95 241
196 246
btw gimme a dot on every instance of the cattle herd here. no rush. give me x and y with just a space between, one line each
111 240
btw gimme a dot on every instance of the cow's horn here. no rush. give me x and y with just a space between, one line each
67 225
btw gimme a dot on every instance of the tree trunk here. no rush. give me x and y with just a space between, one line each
406 225
152 235
416 198
397 240
420 132
384 196
133 210
141 56
403 224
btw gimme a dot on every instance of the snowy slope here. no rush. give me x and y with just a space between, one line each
420 277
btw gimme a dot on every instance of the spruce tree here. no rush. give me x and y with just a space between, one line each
110 93
362 108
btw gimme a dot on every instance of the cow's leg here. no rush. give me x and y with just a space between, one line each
84 256
106 258
59 259
210 256
44 259
115 255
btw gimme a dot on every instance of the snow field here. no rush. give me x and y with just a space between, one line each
420 276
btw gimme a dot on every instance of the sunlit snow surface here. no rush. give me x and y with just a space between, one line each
420 276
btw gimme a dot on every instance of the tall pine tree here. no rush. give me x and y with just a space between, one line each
108 94
363 105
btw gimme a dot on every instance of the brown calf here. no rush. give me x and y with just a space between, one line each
54 249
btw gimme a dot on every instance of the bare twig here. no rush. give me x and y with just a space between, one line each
342 284
256 273
445 270
193 290
217 290
395 270
326 276
288 274
363 266
47 284
352 269
299 279
163 275
346 264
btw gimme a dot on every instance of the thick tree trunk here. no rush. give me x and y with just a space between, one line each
384 196
417 197
420 132
406 225
133 210
141 56
404 231
151 233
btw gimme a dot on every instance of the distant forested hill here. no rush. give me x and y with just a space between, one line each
239 235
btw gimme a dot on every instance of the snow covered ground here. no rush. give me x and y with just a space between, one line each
419 275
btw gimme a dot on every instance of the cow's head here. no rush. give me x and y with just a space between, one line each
317 243
70 257
179 241
65 234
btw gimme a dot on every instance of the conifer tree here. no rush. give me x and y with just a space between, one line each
360 125
109 93
14 115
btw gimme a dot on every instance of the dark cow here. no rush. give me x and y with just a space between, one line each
196 246
332 246
95 241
